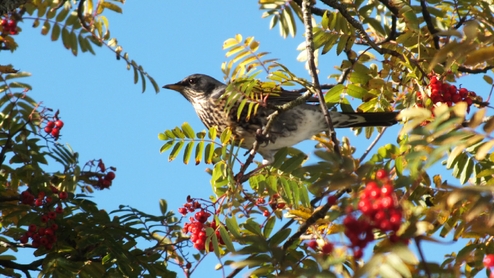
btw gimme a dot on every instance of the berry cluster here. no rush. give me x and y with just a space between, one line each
104 181
442 92
489 263
9 26
326 248
380 210
44 234
198 224
274 203
53 128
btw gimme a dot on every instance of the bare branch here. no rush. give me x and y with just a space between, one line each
430 25
309 48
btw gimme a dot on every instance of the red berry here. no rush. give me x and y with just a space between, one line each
433 80
54 226
38 202
55 132
199 244
12 24
380 216
35 244
43 241
48 129
101 166
48 200
110 176
50 124
488 260
387 202
41 231
59 210
49 232
381 174
63 195
59 124
387 190
52 215
4 22
105 183
32 228
281 205
385 225
327 248
266 213
24 239
332 200
182 211
202 216
312 244
463 92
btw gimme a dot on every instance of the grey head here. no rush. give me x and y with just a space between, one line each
197 87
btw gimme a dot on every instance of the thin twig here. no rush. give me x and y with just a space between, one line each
378 137
309 48
422 257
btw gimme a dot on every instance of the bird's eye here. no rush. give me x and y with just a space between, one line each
192 81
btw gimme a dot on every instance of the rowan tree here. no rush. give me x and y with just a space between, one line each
342 215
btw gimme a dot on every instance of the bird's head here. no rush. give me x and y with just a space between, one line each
198 87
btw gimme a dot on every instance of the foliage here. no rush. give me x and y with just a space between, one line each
291 218
391 53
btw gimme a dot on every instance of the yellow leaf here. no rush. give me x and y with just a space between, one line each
477 118
480 56
484 149
489 125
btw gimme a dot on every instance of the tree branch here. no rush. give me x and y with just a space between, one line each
309 48
22 267
430 25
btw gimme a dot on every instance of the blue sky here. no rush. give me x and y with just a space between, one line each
106 115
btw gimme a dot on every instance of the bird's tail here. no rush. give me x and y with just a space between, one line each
363 119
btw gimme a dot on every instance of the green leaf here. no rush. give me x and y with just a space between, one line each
334 94
356 91
188 131
226 239
163 206
176 149
268 227
55 33
279 237
166 146
199 152
231 224
208 157
111 6
293 163
252 226
188 152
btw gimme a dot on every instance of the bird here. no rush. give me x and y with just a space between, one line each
300 123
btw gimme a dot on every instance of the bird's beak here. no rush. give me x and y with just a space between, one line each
176 87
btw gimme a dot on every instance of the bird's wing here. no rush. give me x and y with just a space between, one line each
287 96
